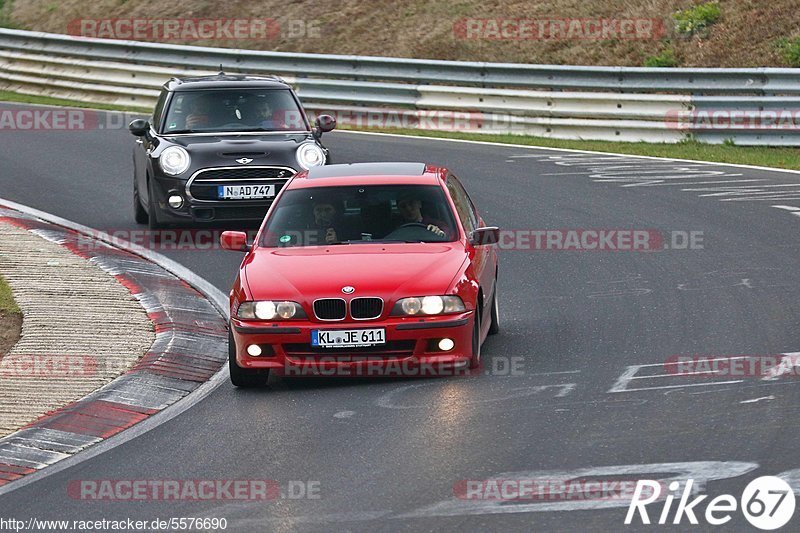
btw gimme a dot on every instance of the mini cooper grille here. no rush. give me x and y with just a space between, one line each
205 184
244 173
210 190
330 309
365 308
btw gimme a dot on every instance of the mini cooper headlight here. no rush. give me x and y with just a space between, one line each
270 310
428 305
174 160
310 155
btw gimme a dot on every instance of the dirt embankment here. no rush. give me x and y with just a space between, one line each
745 34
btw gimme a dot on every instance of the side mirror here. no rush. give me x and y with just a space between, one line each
487 235
235 241
325 123
139 127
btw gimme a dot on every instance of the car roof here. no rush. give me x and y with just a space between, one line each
225 81
370 174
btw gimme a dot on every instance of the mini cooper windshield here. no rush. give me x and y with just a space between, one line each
233 110
322 216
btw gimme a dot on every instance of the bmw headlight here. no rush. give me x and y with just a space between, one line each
174 160
310 155
269 310
428 305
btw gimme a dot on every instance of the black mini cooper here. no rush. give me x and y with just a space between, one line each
219 148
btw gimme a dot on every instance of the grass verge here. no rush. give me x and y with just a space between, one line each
7 303
10 319
764 156
10 96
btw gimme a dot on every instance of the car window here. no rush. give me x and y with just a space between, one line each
463 204
158 111
234 110
360 214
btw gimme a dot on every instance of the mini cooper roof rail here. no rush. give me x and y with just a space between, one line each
175 81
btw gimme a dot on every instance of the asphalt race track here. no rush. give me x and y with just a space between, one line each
588 331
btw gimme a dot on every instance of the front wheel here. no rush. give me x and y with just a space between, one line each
494 325
475 358
152 210
241 377
139 214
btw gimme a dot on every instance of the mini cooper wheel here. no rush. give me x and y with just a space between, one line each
152 210
475 357
241 377
139 214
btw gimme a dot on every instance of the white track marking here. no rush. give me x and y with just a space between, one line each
700 471
554 373
792 477
621 385
754 400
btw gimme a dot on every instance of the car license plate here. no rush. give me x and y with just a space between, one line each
245 192
347 338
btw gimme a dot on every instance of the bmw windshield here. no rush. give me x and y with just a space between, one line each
322 216
233 110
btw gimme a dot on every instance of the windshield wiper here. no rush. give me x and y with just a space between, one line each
378 241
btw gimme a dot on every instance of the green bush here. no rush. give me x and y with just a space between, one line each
4 9
697 19
665 59
790 50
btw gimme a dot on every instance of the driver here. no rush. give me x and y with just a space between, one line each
410 207
198 115
327 220
261 114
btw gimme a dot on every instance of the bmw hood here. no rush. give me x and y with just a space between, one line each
389 271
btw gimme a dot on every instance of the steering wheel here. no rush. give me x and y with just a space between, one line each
412 224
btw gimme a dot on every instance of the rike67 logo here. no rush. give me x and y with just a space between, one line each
767 503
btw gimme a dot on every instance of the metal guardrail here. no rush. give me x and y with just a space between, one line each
575 102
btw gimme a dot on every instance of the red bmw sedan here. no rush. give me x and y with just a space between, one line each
368 269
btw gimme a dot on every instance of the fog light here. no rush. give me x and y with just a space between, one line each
175 201
446 345
254 350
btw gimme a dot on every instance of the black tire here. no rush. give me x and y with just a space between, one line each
152 210
494 326
475 358
139 214
241 377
